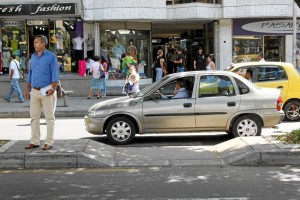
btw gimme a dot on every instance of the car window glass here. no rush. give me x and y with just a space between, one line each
169 88
271 73
243 89
215 85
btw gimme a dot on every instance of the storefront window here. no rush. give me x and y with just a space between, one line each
274 48
60 42
246 48
115 43
13 41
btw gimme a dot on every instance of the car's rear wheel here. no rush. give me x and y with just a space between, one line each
120 131
246 126
292 111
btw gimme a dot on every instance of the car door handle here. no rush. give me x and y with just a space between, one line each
280 87
187 105
230 103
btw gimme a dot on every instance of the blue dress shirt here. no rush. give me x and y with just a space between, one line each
181 93
44 70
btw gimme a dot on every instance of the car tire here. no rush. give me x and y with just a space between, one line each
246 126
292 111
120 130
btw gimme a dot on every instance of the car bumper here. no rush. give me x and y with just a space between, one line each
272 119
94 125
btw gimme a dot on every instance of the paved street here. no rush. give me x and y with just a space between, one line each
155 183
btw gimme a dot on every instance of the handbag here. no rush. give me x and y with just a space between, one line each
20 72
102 75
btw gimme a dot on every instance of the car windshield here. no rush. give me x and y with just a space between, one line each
151 86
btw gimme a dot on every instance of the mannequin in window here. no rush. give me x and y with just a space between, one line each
14 42
90 46
117 49
132 49
78 42
53 42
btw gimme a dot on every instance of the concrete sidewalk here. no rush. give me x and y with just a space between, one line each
85 153
78 107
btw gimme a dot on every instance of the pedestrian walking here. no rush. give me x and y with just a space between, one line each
97 81
41 85
14 76
105 67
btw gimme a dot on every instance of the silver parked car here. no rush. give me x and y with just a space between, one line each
215 101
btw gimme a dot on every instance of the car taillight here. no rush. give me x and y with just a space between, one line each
279 103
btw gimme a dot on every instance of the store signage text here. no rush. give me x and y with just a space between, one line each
11 23
37 9
272 26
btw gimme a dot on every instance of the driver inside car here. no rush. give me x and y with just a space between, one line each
180 91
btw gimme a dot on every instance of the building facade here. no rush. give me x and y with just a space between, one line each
234 31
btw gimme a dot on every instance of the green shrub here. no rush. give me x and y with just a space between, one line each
290 138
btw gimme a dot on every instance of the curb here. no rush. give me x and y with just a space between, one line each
91 154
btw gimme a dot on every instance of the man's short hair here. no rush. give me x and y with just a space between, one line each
43 39
13 56
181 82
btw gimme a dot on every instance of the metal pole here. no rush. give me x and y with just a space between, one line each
294 32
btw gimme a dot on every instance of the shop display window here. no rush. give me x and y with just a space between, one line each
246 48
60 42
13 41
274 48
115 43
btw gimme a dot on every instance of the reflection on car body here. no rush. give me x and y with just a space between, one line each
217 101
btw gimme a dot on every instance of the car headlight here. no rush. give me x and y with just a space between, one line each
91 113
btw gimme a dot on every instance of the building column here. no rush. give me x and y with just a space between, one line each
97 38
223 44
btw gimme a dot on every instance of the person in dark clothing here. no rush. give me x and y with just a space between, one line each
199 60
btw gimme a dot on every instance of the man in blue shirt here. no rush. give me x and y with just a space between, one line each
180 91
42 80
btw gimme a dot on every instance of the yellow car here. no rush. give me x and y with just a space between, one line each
279 75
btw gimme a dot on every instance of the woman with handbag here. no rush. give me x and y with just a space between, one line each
97 77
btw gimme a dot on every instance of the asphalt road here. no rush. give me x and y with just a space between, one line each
235 183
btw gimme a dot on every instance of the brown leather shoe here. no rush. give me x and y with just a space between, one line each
31 146
47 147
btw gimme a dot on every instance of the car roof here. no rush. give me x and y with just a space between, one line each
236 65
192 73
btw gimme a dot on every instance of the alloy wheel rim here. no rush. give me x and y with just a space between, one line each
120 131
247 127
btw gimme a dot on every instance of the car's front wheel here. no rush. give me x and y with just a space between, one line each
246 126
292 111
120 131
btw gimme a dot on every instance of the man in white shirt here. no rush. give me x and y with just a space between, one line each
14 76
260 57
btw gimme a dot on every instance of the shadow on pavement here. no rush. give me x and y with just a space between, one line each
170 140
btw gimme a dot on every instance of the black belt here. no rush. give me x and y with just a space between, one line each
37 88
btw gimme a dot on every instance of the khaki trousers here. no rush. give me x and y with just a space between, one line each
48 103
